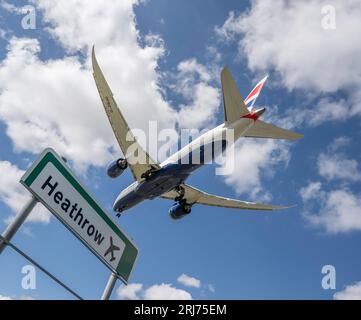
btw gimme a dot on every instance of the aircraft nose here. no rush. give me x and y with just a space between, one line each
117 204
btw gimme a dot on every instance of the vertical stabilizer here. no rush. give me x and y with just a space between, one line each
234 106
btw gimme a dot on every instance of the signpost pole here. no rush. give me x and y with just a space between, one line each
14 226
109 287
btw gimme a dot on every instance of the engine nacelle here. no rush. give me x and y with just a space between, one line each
116 168
179 211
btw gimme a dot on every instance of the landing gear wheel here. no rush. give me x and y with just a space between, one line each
187 208
147 175
119 215
180 190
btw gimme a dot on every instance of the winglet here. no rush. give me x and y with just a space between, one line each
94 59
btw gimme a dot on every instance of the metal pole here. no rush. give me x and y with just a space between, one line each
22 253
17 222
109 287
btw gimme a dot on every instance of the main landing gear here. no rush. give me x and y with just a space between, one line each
147 175
180 190
186 207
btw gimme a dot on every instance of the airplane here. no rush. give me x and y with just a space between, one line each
166 180
111 249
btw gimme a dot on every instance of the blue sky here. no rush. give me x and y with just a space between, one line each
163 60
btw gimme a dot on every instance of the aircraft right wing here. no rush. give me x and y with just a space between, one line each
193 196
126 140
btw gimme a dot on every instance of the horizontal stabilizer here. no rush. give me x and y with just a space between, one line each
262 129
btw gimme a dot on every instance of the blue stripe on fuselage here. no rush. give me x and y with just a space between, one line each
205 153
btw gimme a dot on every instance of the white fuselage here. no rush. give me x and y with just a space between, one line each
231 133
177 168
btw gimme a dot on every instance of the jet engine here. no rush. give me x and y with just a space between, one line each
116 168
179 210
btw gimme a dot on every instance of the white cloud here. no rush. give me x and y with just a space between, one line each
15 196
340 212
55 101
68 114
333 164
324 110
49 101
163 291
2 34
311 191
189 281
28 231
351 292
339 143
76 23
26 298
336 166
211 288
11 8
327 110
166 291
336 211
193 82
130 291
253 160
130 67
20 298
287 36
12 193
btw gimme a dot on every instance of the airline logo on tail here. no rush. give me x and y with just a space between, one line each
253 95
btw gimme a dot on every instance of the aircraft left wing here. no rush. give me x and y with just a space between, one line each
138 159
193 196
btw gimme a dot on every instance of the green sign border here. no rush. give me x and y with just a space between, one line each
130 253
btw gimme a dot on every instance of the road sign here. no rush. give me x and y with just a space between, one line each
51 181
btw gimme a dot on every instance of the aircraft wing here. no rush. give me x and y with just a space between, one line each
193 196
138 159
263 129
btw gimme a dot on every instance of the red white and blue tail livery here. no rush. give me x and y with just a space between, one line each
253 95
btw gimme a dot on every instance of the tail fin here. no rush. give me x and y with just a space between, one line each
262 129
253 95
234 106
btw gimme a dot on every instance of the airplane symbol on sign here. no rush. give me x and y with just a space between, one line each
111 250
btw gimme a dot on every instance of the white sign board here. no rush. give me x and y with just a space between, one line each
52 182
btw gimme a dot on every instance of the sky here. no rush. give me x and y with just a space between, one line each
163 59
